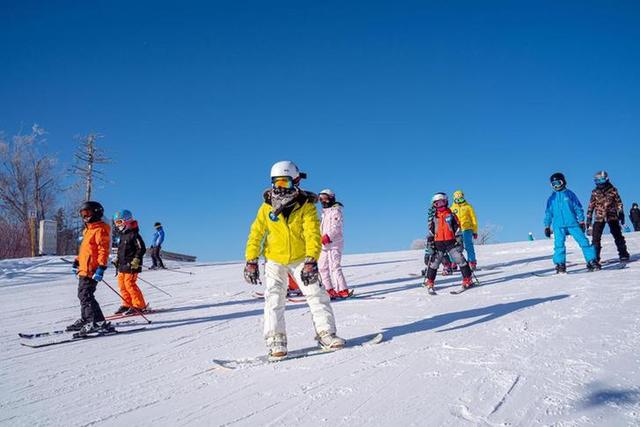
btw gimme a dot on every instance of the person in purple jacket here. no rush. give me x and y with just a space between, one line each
330 260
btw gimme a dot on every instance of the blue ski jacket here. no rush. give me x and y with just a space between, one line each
563 210
158 237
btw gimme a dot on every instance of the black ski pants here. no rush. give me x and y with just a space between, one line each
616 232
636 226
89 308
155 257
454 251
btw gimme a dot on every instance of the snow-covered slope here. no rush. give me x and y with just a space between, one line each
520 350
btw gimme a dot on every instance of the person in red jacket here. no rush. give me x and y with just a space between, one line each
444 237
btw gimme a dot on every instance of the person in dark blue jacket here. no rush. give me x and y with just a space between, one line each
156 245
566 214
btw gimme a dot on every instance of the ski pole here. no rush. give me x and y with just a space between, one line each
154 286
118 293
174 271
475 277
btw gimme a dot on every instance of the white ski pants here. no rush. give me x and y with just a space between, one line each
275 298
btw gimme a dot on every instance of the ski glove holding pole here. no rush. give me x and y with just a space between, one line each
547 232
135 263
75 267
310 272
97 276
251 272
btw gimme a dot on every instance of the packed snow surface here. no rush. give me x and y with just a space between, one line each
518 350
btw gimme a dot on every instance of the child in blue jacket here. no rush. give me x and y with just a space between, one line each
565 212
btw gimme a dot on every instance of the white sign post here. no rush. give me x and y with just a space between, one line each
48 237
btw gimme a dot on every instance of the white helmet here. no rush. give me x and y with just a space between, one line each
286 168
328 192
439 196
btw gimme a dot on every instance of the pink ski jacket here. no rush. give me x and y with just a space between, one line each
331 224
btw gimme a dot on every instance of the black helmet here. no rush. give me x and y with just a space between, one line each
558 181
94 210
157 224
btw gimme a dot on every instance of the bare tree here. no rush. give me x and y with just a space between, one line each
487 234
28 181
87 157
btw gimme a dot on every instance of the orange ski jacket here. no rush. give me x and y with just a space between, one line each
94 249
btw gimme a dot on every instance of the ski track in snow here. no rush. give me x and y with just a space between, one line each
518 350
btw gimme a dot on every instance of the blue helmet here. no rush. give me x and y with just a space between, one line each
123 215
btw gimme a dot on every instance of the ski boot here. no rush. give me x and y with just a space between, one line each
293 293
333 294
76 326
121 310
344 293
330 341
593 265
624 258
277 344
561 268
430 285
99 328
467 282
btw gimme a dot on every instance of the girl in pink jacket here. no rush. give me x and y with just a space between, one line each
332 246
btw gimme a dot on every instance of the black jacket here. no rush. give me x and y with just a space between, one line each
634 215
131 246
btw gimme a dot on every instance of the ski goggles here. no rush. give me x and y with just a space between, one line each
600 180
284 182
557 184
459 200
440 203
85 213
118 222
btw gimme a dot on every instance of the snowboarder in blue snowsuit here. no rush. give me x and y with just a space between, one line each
566 214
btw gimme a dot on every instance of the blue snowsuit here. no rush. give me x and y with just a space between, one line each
158 237
566 213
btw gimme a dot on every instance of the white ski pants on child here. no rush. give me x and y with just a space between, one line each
275 297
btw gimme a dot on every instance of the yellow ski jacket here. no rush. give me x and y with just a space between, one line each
466 215
286 241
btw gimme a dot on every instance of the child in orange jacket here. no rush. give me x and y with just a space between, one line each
89 266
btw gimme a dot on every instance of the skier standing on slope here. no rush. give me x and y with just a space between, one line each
332 245
444 238
128 262
156 247
607 205
634 216
565 212
89 266
287 231
468 223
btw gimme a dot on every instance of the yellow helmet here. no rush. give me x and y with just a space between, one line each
458 196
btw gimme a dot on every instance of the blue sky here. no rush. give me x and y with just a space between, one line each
384 102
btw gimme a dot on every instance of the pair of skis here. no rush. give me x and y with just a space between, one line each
35 340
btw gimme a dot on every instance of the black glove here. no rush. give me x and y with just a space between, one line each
75 267
621 217
547 232
582 227
252 272
309 273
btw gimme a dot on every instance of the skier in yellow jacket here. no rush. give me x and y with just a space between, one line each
468 223
286 231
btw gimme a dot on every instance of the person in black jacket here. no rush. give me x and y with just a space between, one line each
634 216
128 262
